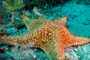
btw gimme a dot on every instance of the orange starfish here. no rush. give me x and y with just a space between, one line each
51 36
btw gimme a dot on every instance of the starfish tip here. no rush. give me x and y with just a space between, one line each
63 20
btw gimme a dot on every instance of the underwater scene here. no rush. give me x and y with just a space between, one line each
44 29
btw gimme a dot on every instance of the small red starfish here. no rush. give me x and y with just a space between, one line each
51 36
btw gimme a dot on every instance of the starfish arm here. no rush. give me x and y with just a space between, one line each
50 49
10 39
54 50
80 40
36 36
64 36
29 37
61 21
13 40
53 47
68 39
60 50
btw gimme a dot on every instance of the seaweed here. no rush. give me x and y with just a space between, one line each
12 6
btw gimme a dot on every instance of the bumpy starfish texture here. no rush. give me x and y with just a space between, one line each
51 36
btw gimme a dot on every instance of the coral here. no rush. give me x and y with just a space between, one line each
35 10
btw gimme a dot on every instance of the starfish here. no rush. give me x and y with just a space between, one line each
51 36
